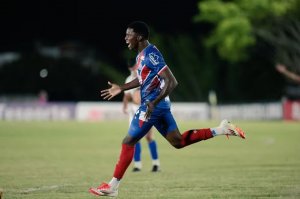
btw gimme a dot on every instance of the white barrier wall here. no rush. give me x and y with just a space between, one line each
190 111
103 111
36 111
255 111
113 111
99 111
185 111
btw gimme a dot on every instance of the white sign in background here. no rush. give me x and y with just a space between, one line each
103 111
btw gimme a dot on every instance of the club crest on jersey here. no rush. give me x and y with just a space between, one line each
153 58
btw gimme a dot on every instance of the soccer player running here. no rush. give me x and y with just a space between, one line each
156 82
131 103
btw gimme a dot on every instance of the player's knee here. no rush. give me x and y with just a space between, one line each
149 136
174 139
129 140
176 144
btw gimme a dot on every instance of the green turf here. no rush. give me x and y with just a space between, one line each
59 160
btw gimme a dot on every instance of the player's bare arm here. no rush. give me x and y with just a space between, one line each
126 99
283 69
133 84
170 84
116 89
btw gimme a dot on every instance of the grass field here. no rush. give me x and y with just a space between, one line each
60 160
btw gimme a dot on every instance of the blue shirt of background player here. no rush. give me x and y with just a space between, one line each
150 64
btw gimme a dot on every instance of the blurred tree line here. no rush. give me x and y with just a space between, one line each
250 37
232 50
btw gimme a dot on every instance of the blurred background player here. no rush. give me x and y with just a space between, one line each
131 103
289 74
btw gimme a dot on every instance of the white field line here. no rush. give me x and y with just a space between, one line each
42 188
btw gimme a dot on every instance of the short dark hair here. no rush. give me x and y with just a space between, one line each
141 28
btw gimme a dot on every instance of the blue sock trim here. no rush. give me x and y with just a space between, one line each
153 150
137 152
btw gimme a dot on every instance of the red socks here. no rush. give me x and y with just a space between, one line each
124 160
192 136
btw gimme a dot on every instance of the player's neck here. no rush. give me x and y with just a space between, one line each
142 45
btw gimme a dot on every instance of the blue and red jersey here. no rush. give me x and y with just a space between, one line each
150 64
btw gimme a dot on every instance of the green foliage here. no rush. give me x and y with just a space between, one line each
214 11
231 37
260 9
235 23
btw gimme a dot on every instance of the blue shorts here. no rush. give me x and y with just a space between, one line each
161 118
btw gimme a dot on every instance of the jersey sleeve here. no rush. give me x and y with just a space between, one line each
155 61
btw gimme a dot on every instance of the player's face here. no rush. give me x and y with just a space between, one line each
131 39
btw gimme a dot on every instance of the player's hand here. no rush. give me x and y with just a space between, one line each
150 108
111 92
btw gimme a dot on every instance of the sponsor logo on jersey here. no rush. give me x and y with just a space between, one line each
153 58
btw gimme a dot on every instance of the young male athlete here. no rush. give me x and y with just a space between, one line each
156 82
131 103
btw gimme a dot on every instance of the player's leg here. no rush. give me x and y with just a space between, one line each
136 131
168 128
153 150
137 163
125 158
188 137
